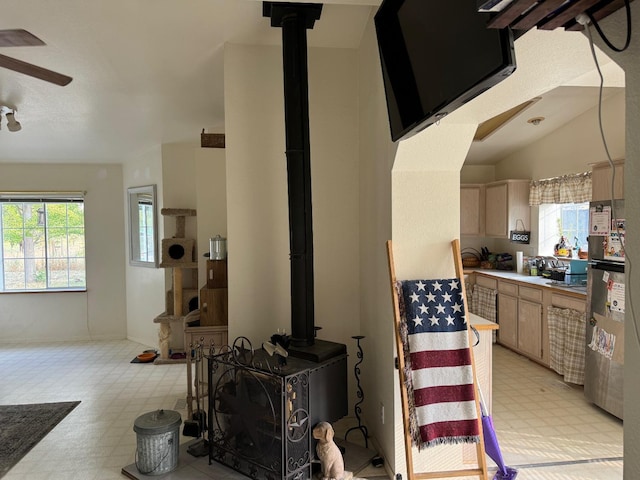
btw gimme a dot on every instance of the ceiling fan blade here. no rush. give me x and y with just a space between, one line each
34 71
18 38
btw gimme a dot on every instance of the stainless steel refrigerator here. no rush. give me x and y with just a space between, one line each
603 384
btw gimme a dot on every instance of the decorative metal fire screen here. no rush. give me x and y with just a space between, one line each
259 419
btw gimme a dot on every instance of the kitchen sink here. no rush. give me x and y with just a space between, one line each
578 287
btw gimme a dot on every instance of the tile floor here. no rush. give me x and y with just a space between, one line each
545 427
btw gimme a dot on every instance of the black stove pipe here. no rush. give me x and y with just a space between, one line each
295 19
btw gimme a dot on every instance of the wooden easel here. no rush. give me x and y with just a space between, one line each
481 471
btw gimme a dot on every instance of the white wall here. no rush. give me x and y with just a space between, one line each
211 198
258 228
377 152
187 176
425 219
145 286
192 179
98 313
571 148
257 224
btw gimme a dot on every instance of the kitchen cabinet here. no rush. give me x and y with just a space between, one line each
508 314
565 301
508 320
522 311
486 282
506 207
567 337
601 174
472 212
207 336
521 319
530 316
530 328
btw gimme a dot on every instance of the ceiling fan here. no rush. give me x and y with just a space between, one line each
22 38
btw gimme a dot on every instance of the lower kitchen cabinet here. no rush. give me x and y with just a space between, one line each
521 319
522 314
508 320
530 328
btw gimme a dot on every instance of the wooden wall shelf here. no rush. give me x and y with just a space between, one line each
551 14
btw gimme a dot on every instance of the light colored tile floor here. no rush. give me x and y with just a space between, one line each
545 428
96 440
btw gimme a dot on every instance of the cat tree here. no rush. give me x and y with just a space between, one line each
178 255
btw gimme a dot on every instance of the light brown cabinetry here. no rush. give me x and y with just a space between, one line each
472 209
530 328
494 209
565 301
508 320
601 176
214 295
206 336
522 313
530 322
506 202
487 282
520 316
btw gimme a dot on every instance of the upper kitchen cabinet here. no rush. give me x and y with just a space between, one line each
601 174
472 209
506 203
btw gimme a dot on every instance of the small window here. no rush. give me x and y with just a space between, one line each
568 220
43 242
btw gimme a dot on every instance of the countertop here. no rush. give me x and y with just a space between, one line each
578 292
480 323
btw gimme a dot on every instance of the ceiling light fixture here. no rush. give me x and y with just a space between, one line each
535 120
12 124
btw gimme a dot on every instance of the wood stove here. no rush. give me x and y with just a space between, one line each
261 409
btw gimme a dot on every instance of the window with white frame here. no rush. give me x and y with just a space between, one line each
568 220
563 211
146 238
43 242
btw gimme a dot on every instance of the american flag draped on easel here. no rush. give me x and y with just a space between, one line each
438 367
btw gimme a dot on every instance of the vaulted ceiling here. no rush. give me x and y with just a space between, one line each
145 72
150 72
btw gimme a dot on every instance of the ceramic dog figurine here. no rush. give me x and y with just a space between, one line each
328 452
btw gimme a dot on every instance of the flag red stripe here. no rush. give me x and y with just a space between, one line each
460 428
449 393
440 358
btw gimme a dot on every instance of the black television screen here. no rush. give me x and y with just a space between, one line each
437 55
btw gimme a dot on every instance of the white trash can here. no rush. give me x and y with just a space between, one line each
158 441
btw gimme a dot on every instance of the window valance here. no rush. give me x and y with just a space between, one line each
575 188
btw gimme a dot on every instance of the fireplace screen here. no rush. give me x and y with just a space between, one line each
259 413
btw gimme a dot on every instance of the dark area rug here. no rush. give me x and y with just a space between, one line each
23 426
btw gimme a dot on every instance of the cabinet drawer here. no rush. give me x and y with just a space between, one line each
529 293
508 288
486 282
562 301
206 335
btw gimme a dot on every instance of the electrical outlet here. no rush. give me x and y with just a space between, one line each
382 413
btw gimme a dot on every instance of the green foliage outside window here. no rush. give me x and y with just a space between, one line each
43 246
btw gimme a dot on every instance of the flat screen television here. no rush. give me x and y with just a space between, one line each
436 55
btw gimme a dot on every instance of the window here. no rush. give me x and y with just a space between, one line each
568 220
146 240
43 242
563 210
